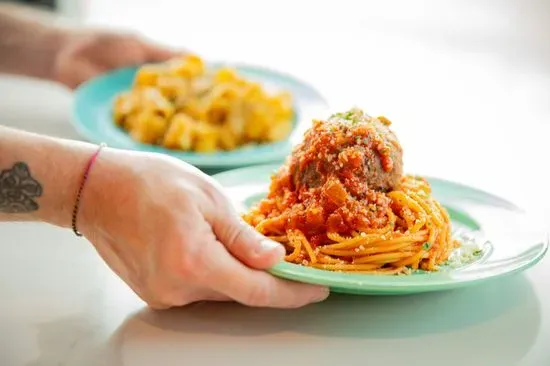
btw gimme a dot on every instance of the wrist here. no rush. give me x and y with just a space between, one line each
40 176
61 190
105 189
82 217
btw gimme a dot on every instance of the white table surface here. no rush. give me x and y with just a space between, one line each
476 75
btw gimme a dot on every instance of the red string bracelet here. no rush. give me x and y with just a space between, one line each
89 166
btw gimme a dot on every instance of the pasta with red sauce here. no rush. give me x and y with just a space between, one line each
342 203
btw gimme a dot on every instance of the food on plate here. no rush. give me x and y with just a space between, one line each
342 203
183 105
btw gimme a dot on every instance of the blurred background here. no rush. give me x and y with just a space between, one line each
466 82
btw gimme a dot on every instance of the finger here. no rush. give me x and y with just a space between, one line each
155 53
245 243
240 239
204 296
226 275
215 296
83 72
167 297
158 305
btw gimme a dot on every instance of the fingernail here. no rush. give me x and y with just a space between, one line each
267 246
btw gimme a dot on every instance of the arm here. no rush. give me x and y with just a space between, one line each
161 225
39 176
27 47
68 56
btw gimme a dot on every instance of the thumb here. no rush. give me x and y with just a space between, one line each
245 243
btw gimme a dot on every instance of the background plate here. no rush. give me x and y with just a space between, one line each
512 240
92 117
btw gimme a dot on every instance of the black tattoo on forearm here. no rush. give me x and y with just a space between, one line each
18 190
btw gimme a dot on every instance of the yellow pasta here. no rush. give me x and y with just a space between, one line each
149 128
182 105
180 133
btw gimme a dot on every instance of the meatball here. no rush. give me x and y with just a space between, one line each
359 150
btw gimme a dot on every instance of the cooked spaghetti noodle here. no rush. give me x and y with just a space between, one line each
341 203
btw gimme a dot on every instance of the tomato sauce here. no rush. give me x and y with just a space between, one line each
327 182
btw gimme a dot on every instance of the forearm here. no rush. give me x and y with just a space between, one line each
40 176
27 47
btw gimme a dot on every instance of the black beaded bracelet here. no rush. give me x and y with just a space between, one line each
89 166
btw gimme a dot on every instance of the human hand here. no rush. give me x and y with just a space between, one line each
82 56
168 231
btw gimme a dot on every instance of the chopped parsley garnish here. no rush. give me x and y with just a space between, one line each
426 246
477 252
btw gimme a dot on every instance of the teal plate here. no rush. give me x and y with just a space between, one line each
92 117
510 240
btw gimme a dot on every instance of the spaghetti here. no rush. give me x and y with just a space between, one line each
323 208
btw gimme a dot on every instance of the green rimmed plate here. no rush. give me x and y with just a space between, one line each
509 239
93 105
